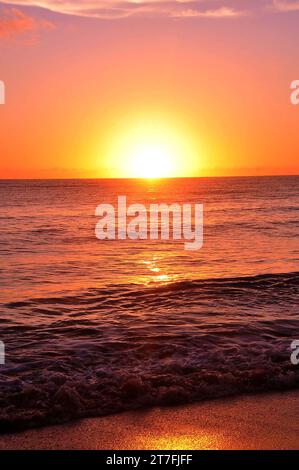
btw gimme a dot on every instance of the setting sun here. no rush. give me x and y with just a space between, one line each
151 149
151 160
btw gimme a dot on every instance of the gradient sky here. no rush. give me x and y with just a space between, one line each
81 74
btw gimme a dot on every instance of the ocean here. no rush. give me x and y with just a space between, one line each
93 327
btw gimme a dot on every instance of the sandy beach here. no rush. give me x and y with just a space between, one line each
249 422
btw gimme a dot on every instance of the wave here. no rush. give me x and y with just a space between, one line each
106 350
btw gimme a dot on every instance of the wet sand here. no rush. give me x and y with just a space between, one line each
250 422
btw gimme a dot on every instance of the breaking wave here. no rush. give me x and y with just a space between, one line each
101 351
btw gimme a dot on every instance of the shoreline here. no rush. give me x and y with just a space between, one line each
266 421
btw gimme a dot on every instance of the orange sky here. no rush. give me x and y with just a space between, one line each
218 79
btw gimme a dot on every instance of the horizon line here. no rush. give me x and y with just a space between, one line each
162 178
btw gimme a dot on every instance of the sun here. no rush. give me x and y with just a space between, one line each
150 148
151 160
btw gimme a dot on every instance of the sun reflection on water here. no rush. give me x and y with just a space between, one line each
181 442
155 272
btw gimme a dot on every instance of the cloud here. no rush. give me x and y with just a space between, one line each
125 8
14 22
109 9
222 12
286 5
